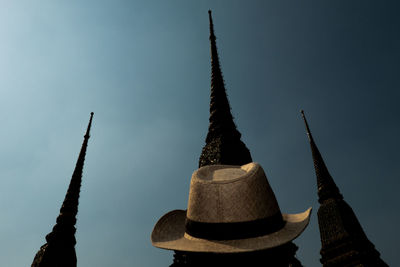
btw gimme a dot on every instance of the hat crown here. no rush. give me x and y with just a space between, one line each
229 194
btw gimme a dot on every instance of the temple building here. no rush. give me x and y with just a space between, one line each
224 147
59 250
343 240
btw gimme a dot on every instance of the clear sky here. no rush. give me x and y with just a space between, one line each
143 68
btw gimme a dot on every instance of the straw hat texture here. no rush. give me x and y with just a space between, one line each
230 209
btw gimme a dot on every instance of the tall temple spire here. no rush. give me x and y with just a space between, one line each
343 240
60 247
223 144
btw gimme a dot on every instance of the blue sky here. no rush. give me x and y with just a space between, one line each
143 68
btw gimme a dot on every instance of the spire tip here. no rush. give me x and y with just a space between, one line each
89 125
307 127
303 115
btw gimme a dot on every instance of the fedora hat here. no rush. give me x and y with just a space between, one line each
230 209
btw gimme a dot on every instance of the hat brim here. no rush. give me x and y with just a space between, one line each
169 233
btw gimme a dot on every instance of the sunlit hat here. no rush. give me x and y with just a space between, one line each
230 209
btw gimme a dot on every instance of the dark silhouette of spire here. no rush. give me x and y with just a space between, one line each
343 240
223 144
326 186
59 251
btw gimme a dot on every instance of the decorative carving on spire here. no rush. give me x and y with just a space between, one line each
343 240
223 144
60 247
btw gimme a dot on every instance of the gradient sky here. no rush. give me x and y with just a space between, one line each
143 68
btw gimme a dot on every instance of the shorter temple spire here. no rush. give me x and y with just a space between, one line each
223 144
60 247
343 241
326 186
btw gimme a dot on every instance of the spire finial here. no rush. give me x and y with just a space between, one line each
71 201
307 127
60 247
326 186
212 36
223 144
89 125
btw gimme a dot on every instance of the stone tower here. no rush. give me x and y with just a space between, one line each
223 144
59 251
343 240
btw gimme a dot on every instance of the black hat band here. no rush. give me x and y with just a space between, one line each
236 230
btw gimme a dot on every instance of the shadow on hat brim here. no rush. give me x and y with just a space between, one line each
169 233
